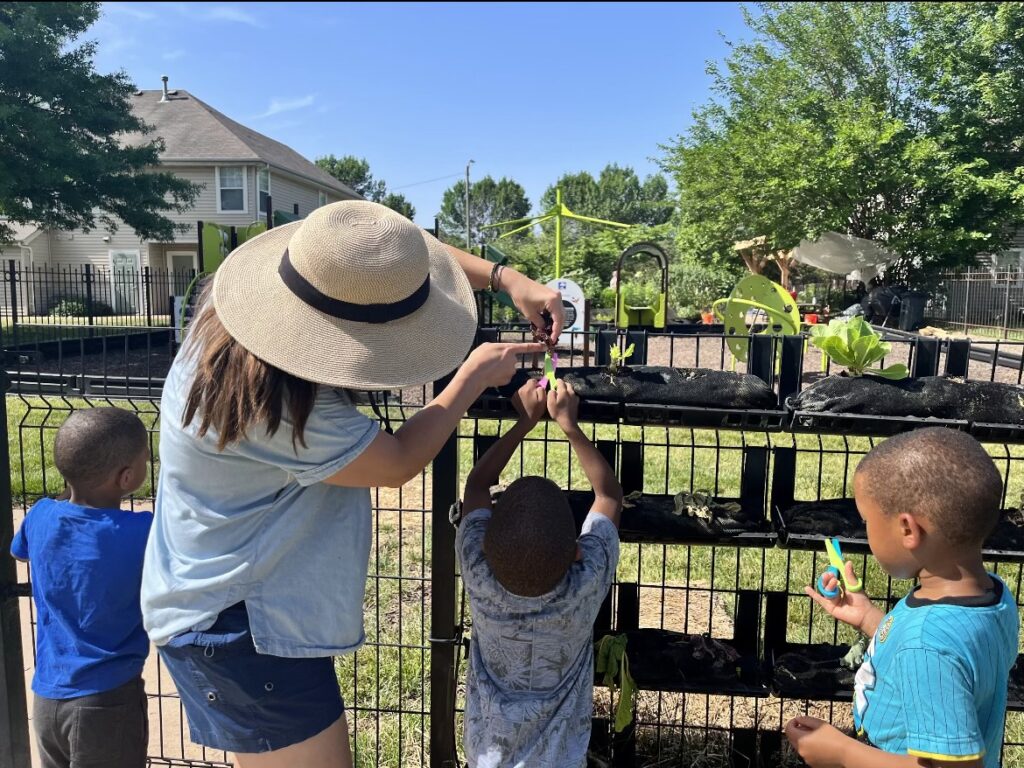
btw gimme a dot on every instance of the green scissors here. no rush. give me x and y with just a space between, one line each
838 569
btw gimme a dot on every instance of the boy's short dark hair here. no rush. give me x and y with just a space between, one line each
94 443
943 475
531 538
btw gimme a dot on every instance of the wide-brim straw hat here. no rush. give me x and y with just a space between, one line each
354 296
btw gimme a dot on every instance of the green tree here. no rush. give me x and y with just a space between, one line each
65 161
398 202
490 202
355 173
850 117
616 195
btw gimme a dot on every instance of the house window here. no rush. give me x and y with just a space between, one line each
231 194
321 199
263 188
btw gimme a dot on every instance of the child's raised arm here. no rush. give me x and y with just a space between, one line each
563 405
529 404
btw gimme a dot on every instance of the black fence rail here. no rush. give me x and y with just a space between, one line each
53 302
679 584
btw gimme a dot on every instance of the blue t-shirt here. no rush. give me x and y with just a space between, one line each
86 576
530 684
933 683
255 523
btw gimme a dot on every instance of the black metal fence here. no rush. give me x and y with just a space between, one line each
981 302
54 302
403 688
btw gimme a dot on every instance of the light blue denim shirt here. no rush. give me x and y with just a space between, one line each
254 522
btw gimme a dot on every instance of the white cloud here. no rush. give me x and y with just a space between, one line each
174 55
127 10
230 13
277 106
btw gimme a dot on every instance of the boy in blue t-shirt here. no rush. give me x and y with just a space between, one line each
932 688
86 553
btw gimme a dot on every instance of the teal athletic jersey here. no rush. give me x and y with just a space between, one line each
933 683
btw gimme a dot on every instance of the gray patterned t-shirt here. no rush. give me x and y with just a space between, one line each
529 688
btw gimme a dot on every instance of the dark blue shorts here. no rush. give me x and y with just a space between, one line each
242 701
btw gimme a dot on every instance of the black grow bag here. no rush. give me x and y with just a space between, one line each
957 402
663 660
698 394
815 671
652 519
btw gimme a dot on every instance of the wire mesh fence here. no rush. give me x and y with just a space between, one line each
741 589
981 302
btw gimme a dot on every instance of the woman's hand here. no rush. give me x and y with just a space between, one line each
494 365
533 300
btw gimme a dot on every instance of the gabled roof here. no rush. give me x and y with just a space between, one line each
193 131
22 233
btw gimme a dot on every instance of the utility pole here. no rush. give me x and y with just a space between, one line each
468 244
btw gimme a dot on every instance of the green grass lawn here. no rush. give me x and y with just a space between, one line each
386 684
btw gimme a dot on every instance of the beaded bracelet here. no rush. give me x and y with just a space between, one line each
492 282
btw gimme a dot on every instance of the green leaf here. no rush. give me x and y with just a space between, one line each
895 372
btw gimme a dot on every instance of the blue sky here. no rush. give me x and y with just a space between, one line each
527 90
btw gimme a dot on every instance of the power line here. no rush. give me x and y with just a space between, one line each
428 181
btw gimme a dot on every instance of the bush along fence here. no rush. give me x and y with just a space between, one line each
733 477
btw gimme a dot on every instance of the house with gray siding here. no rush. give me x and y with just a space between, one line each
238 169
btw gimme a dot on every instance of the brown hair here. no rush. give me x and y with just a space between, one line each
234 390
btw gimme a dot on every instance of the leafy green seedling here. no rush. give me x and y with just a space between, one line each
855 345
619 358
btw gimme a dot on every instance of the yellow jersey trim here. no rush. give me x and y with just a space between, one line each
948 758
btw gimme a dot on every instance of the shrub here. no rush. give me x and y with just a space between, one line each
692 284
75 306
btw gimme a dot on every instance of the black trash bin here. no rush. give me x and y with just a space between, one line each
912 305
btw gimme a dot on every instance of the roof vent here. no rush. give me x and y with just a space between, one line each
164 78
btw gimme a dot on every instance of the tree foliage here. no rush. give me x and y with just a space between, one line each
896 122
355 173
490 202
72 153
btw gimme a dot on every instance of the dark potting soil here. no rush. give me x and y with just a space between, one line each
828 517
651 518
662 659
660 385
814 670
929 396
1015 689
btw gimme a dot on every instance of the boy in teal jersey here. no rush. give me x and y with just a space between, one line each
932 688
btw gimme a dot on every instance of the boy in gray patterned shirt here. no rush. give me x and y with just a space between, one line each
535 590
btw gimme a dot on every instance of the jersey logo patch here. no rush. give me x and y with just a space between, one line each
883 632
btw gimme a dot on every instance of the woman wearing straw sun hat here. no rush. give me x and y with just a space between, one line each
255 568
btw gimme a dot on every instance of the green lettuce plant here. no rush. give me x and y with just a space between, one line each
855 345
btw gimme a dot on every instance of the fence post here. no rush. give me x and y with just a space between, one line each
967 296
145 296
88 297
12 274
1006 309
14 741
443 631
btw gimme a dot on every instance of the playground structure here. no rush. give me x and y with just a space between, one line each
765 298
627 316
557 212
